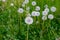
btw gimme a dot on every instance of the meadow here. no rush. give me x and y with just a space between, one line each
14 24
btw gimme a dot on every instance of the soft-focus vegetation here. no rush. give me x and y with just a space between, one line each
13 26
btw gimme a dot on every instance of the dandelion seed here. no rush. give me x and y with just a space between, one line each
33 3
53 9
45 13
29 20
20 10
50 16
44 17
37 8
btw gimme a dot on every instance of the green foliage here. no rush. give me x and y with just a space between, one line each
13 27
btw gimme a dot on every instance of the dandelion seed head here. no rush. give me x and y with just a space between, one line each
53 9
44 17
28 20
50 16
33 3
46 9
34 13
20 10
37 8
37 13
26 1
44 13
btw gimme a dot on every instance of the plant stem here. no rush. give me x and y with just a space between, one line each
27 31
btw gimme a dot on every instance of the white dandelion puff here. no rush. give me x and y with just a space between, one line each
20 10
34 13
45 13
28 20
50 16
53 9
37 8
33 3
37 13
26 1
46 9
44 17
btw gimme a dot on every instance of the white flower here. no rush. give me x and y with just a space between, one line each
37 8
12 4
34 13
37 13
26 1
53 9
3 0
50 16
20 10
28 20
46 9
45 13
33 3
44 17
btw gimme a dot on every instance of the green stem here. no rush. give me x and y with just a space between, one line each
27 32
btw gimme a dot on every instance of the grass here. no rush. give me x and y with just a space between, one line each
13 27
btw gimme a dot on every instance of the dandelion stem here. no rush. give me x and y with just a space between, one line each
27 31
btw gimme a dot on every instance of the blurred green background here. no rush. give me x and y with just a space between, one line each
13 27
